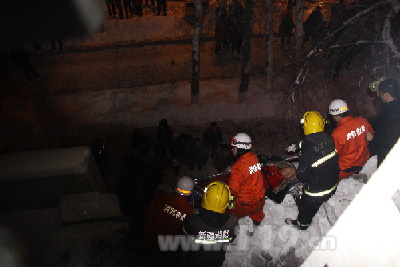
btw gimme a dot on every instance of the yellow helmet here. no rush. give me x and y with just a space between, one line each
216 197
312 122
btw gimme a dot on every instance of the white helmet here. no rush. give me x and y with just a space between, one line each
184 186
338 106
241 140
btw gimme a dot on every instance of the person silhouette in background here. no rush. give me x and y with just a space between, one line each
285 29
161 5
137 5
53 44
110 8
128 8
313 24
387 124
212 138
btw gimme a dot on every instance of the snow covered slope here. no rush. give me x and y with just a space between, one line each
368 232
276 243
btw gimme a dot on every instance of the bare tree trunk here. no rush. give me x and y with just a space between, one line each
299 27
196 51
248 29
386 34
269 37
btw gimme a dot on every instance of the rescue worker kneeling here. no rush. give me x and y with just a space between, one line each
212 227
164 216
318 169
246 181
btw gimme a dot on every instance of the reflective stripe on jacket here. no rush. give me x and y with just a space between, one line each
318 164
321 193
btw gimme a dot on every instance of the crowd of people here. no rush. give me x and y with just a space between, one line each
317 27
324 160
132 8
229 27
314 26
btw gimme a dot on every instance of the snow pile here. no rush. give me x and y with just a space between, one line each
277 244
72 245
44 163
87 206
145 106
144 29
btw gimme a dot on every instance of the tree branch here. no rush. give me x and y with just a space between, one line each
345 24
356 43
314 52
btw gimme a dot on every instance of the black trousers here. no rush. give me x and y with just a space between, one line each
308 206
138 10
110 7
162 5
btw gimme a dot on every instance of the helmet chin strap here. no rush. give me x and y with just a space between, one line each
241 152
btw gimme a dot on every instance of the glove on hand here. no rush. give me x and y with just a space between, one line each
291 148
231 203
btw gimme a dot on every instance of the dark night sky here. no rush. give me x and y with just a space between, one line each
39 19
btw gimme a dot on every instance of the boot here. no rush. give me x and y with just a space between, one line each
294 223
256 223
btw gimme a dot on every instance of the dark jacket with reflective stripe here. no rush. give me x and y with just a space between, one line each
202 225
324 176
387 129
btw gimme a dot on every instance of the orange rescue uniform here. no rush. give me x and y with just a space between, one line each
351 144
164 216
246 184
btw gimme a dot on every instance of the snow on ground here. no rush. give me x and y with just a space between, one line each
217 101
144 29
19 166
274 243
71 245
40 239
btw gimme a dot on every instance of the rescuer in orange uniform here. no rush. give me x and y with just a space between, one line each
246 183
166 212
351 139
